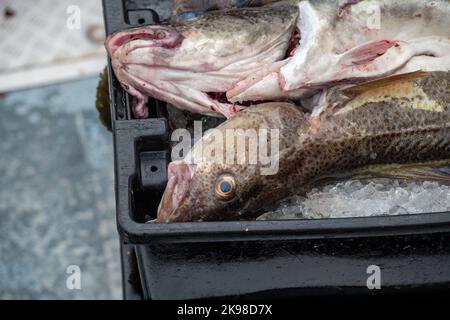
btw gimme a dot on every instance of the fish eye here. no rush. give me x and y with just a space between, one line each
225 187
188 16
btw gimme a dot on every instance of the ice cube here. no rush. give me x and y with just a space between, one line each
357 198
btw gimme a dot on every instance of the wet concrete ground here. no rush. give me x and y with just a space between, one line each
56 195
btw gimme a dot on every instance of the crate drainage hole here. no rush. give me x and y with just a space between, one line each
153 169
141 21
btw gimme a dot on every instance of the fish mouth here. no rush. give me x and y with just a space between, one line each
179 176
149 37
148 62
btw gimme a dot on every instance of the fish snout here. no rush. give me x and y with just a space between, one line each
179 176
149 37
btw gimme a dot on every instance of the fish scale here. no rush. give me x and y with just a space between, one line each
394 134
220 62
381 132
183 62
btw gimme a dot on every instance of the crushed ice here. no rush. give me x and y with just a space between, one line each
379 197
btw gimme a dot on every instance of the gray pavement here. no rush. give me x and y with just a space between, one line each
56 195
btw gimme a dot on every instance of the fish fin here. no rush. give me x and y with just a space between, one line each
421 172
103 101
357 90
438 171
367 52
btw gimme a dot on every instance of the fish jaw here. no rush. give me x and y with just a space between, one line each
181 96
184 64
179 176
188 196
129 49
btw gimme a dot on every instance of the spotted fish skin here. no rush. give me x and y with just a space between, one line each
187 62
180 6
388 130
394 129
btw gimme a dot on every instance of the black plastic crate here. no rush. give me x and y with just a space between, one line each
255 258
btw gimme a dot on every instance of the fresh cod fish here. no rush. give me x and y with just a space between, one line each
220 62
393 121
192 63
353 41
180 7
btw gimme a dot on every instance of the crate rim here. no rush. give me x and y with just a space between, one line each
381 226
